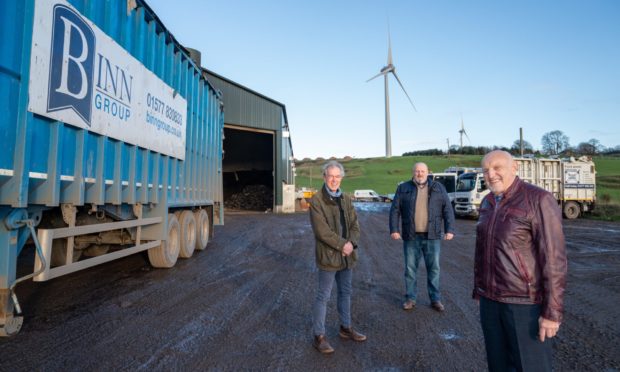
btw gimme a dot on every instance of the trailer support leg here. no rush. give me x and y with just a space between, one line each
10 324
9 236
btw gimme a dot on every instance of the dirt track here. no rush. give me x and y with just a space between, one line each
245 303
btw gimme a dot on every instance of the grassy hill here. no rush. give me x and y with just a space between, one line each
379 174
384 174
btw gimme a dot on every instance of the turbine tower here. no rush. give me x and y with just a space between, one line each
385 71
462 131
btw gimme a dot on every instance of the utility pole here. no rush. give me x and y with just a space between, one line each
521 140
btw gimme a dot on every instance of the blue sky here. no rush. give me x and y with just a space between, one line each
537 64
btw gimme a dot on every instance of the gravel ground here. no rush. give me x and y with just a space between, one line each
245 303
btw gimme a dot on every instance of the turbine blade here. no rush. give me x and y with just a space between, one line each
401 85
376 76
463 129
389 61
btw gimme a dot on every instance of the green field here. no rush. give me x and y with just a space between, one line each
379 174
384 174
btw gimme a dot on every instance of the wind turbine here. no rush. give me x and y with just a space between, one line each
462 131
385 71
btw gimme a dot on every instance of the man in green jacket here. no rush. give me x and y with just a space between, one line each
336 230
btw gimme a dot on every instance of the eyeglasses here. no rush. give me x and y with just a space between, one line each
330 177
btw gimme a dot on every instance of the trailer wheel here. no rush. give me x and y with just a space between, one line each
202 229
165 256
188 233
571 210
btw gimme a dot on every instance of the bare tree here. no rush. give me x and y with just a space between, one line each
592 147
516 147
585 148
555 142
598 147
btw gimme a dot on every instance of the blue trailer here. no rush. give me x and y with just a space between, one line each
110 137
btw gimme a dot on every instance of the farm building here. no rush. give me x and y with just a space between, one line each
257 148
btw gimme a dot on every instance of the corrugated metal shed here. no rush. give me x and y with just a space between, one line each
248 110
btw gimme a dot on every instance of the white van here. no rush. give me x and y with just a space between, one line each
367 195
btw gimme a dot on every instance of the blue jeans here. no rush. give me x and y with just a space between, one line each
326 281
511 337
414 250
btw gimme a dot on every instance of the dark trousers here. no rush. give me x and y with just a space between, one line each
511 337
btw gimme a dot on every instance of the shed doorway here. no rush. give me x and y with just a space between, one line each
248 168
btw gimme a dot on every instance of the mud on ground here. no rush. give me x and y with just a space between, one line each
245 303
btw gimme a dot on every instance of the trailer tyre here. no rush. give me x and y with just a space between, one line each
203 227
165 256
188 233
571 210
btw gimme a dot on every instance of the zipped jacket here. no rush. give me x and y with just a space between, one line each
520 250
440 212
325 220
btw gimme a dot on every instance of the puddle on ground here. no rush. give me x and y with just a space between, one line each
589 250
449 335
371 206
590 228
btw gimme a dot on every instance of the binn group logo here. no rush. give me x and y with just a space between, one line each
72 64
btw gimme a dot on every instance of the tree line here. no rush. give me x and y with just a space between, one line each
554 143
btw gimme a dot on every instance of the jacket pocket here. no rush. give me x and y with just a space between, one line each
509 280
437 227
330 258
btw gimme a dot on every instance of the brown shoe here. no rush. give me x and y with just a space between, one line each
320 343
438 306
409 304
351 334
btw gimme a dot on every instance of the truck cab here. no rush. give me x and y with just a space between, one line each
449 181
470 190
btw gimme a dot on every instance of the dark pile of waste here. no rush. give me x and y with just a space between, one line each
252 197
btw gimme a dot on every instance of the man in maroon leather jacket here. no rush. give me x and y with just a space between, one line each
519 269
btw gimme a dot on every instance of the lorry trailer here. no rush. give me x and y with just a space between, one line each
111 138
571 181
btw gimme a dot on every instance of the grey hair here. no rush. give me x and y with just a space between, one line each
333 164
419 163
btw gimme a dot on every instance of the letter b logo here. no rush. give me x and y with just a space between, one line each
71 64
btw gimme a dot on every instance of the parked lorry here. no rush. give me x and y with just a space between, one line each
449 179
111 142
461 170
571 181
